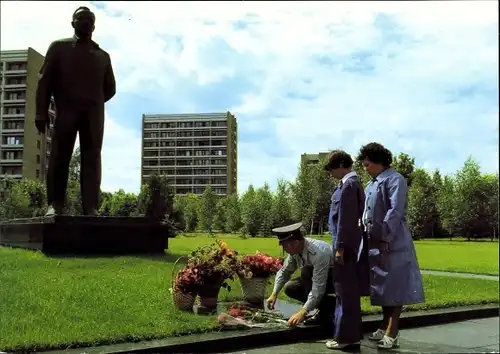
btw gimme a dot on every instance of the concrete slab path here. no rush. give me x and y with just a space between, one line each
460 275
474 336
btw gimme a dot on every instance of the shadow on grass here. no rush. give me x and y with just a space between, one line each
167 257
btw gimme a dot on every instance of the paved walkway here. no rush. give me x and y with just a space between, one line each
474 336
461 275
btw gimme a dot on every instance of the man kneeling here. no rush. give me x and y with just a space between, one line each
315 260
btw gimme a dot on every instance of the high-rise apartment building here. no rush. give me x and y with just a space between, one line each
312 159
23 150
191 150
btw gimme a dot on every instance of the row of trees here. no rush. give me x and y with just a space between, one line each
465 204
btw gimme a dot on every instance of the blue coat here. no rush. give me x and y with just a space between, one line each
346 211
395 278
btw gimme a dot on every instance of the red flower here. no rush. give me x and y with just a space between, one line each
260 265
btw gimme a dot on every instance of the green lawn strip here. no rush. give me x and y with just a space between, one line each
61 302
444 255
458 256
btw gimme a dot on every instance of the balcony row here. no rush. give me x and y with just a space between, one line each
184 125
172 146
184 163
185 154
188 135
181 174
12 146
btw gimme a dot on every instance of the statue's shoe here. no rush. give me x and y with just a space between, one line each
92 212
51 211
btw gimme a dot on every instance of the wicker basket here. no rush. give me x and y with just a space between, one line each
181 300
254 289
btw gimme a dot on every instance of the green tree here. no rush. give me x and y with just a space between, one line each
305 191
490 189
220 215
360 171
159 201
180 202
207 206
405 165
446 206
325 186
73 191
421 205
233 213
265 202
123 204
437 184
75 165
282 205
470 200
250 212
23 199
191 212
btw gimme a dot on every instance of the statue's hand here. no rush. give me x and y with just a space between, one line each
42 122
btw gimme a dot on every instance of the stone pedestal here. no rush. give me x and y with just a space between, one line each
62 234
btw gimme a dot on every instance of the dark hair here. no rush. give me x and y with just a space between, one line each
337 159
82 8
375 153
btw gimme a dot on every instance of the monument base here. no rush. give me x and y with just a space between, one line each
62 234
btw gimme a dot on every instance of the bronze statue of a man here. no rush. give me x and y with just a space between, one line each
78 73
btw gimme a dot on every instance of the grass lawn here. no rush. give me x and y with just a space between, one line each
453 256
60 302
458 256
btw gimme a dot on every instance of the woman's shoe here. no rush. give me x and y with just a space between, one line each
388 343
332 344
377 335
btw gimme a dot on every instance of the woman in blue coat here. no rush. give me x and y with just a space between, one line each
395 279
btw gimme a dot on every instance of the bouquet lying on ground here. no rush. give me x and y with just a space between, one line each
207 265
259 265
242 316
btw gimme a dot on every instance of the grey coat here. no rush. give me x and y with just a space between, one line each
395 278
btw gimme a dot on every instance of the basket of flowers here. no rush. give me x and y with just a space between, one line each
185 286
254 272
213 266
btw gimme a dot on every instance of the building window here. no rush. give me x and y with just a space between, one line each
37 158
37 173
38 144
13 140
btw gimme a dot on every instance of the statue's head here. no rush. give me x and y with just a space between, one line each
83 22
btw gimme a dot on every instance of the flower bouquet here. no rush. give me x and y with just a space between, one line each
207 270
185 286
254 272
241 316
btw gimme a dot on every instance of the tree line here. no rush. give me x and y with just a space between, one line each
463 204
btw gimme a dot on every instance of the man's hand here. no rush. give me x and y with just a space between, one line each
339 256
271 301
42 122
297 318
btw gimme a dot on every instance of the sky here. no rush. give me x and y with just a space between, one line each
301 77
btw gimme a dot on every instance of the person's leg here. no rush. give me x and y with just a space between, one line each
294 289
393 324
386 313
63 142
91 131
348 306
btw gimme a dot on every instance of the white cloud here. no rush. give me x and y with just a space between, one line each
410 99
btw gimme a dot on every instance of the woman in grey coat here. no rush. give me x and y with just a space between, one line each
395 278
